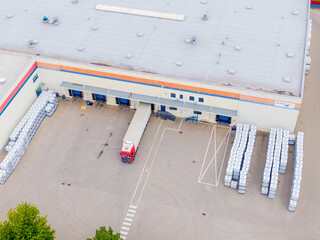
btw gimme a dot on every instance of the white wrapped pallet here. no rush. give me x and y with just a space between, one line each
24 132
297 172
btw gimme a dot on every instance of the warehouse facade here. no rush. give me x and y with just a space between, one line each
119 87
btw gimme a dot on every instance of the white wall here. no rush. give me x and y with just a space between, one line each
18 107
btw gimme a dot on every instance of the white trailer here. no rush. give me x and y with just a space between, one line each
134 133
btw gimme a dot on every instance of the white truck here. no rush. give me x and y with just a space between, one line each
134 133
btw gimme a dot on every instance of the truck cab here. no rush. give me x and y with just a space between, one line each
128 152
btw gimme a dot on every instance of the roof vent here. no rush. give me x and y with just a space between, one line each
231 71
249 7
75 1
179 63
2 80
192 40
9 16
295 13
32 43
290 55
203 1
129 55
140 34
94 27
286 79
238 48
81 48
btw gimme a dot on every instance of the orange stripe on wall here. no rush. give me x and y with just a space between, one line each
162 83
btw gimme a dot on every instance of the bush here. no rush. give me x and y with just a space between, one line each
103 234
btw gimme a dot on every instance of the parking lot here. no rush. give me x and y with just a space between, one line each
173 190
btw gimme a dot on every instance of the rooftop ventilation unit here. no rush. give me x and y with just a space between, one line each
140 34
295 13
286 79
203 1
290 55
238 48
9 16
231 71
2 80
179 63
249 7
81 48
94 27
129 55
32 43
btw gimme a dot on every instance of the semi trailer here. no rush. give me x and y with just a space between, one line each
134 133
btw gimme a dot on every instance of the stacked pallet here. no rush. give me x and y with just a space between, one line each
247 160
284 152
297 172
45 105
240 157
308 58
269 161
233 153
276 164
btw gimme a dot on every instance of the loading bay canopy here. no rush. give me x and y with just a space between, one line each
149 99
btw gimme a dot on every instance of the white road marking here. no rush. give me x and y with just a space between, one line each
132 211
130 215
128 219
224 155
126 223
154 157
125 228
205 155
145 164
123 237
124 233
132 206
215 154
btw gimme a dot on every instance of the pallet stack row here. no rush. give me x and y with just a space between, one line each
308 58
297 172
240 157
276 164
269 161
233 153
247 160
45 105
284 152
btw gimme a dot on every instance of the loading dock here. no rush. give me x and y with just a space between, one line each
223 119
123 101
99 97
75 93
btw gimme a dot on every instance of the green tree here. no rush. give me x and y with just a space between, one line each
24 222
103 234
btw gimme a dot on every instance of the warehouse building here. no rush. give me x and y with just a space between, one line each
218 61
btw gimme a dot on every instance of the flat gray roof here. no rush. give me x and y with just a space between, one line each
11 66
242 44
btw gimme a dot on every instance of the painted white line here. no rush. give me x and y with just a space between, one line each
124 233
128 219
130 215
126 223
125 228
215 161
213 157
205 155
132 211
224 155
145 164
210 184
154 157
132 206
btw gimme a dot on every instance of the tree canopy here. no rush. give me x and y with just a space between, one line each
103 234
24 222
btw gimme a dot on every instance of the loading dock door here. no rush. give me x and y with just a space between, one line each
223 119
76 93
123 101
163 107
99 97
